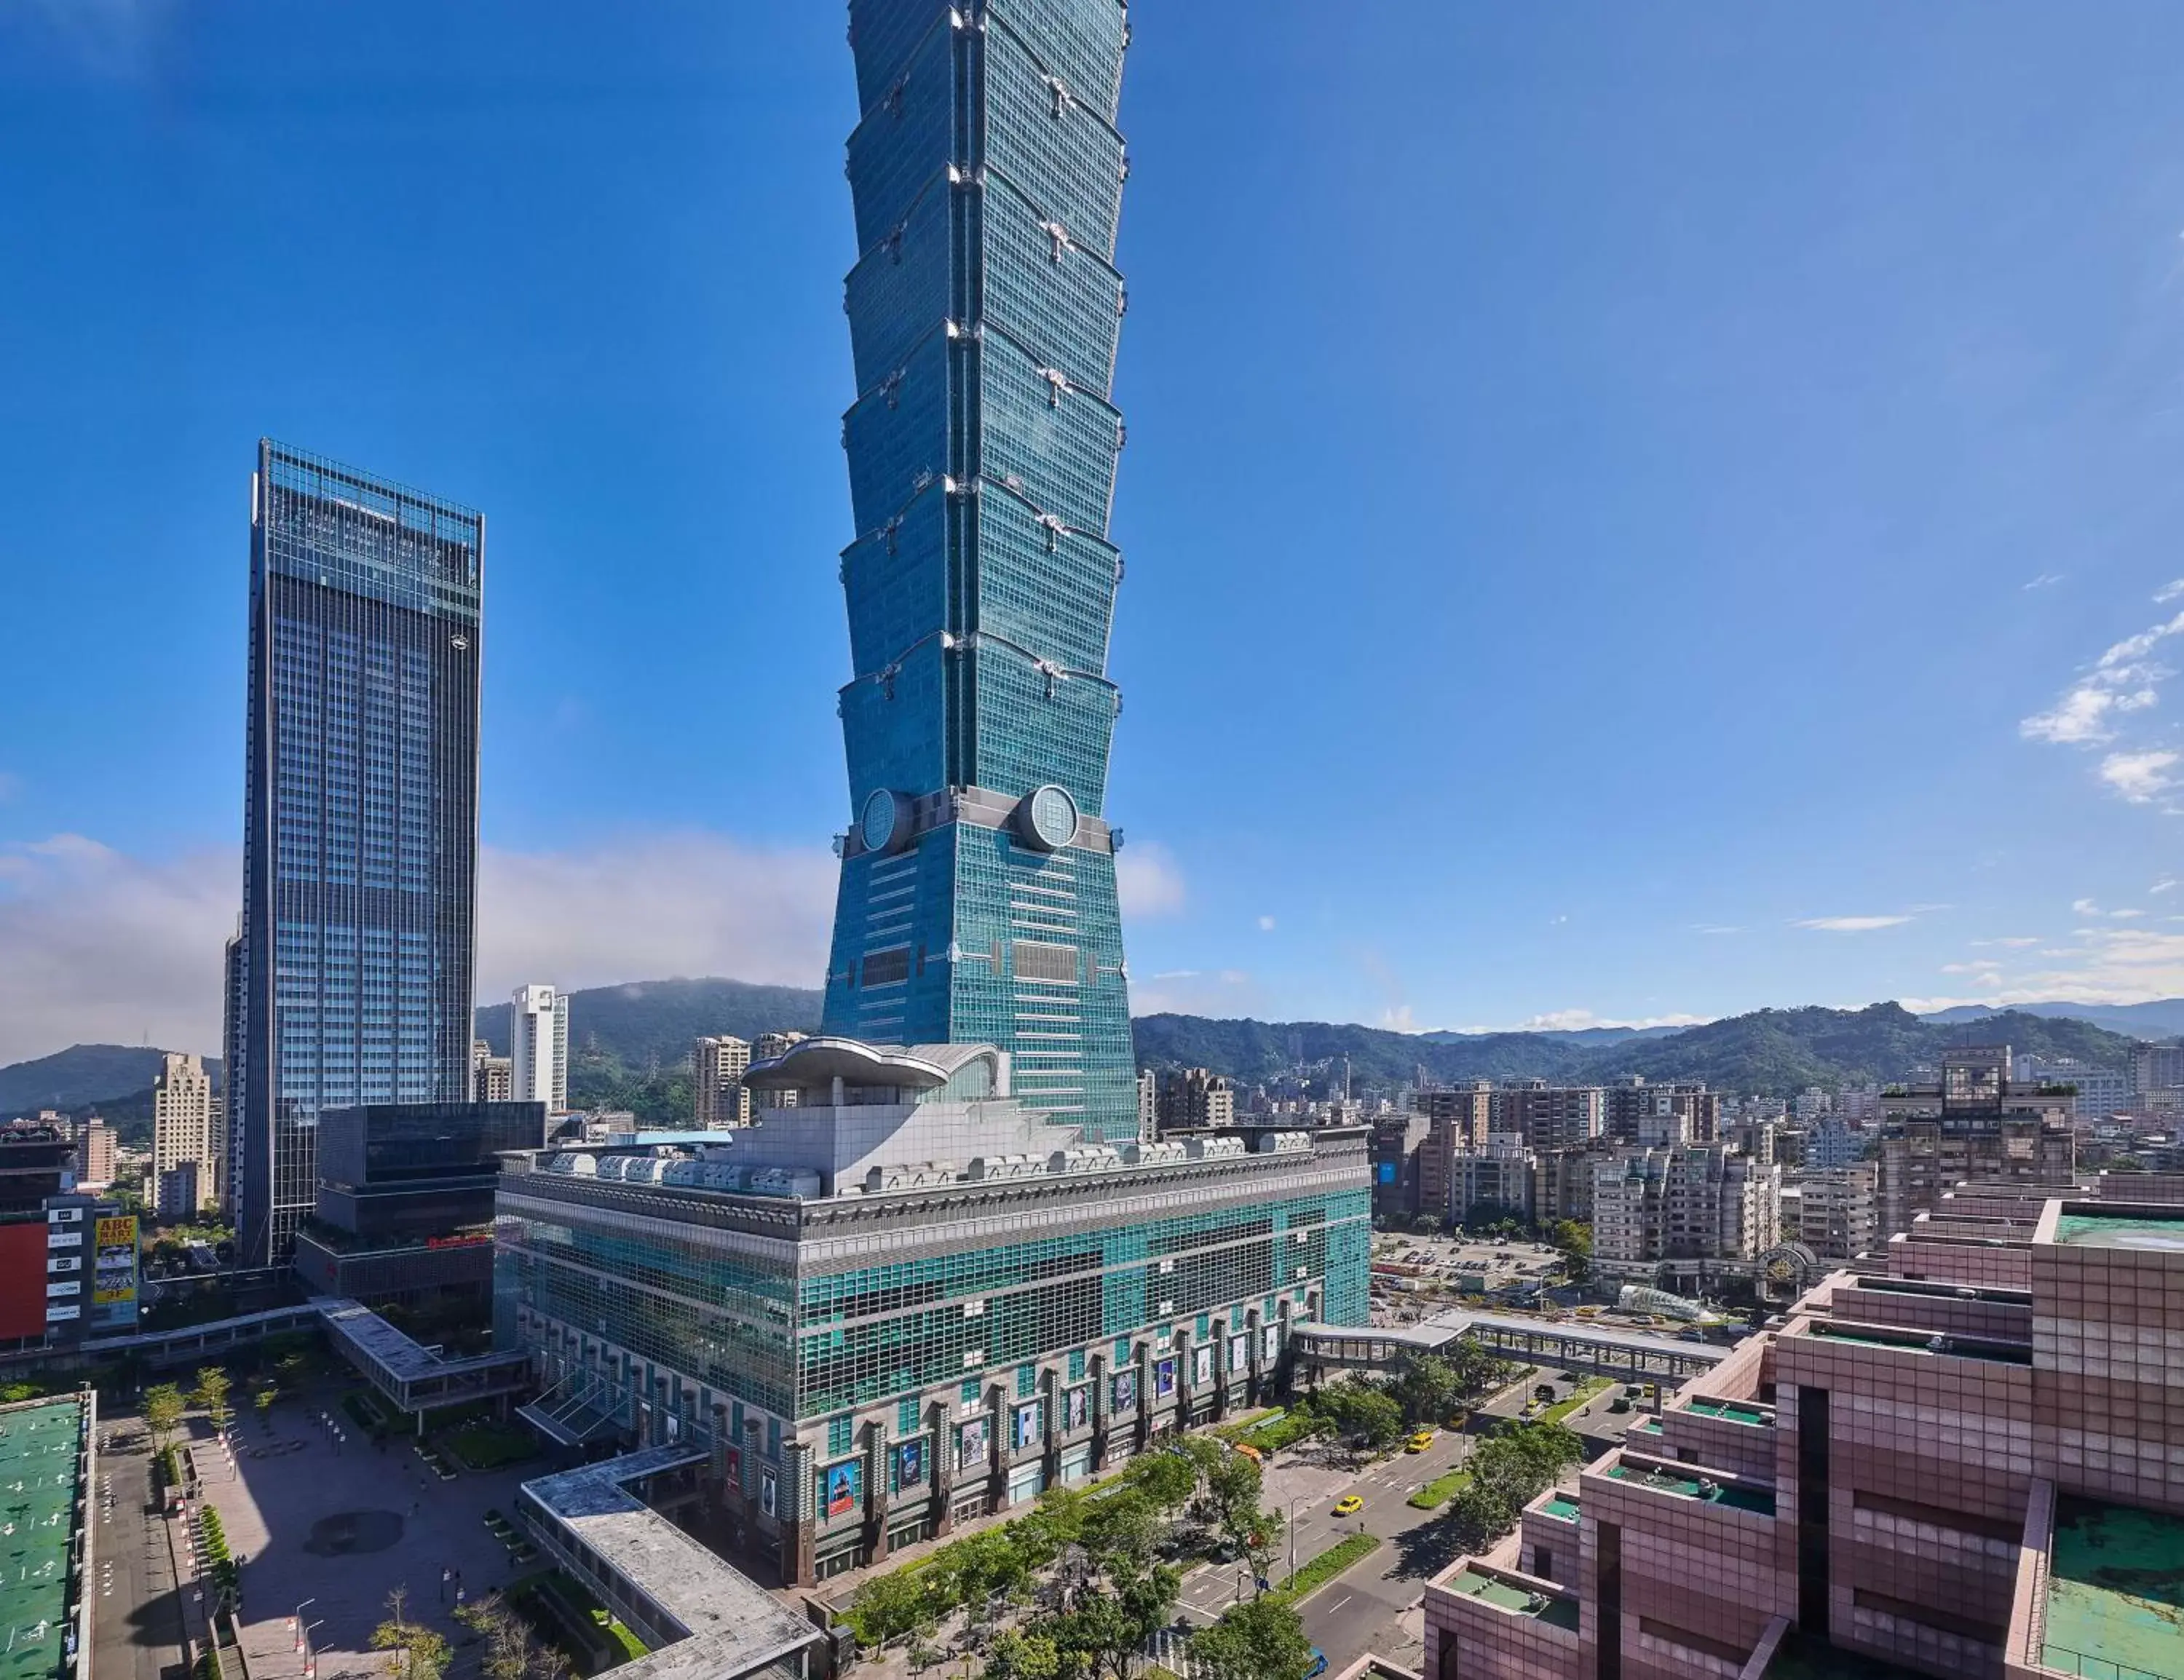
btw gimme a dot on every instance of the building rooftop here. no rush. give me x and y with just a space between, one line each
38 1445
1914 1341
403 1359
1733 1411
1555 1609
2115 1591
2138 1229
1563 1507
735 1627
1695 1487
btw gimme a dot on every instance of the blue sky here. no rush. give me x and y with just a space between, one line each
1632 513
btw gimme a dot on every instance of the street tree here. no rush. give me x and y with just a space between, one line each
888 1608
1259 1639
1023 1656
1361 1409
1573 1239
1425 1387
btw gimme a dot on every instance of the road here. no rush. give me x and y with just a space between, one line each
1373 1605
136 1629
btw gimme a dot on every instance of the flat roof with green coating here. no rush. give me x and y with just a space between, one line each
2116 1590
1550 1607
2152 1230
37 1507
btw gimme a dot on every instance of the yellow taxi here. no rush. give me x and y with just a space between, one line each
1419 1441
1349 1505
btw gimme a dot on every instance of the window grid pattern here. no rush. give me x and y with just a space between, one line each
360 852
984 311
880 1332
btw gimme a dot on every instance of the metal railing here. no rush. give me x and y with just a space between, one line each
2062 1660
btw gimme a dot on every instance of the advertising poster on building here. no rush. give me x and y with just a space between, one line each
1239 1351
769 1493
1076 1407
731 1465
114 1272
844 1488
971 1444
1201 1367
1126 1391
1271 1347
1164 1379
1028 1430
910 1465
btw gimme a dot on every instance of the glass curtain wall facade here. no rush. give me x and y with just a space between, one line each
354 966
978 891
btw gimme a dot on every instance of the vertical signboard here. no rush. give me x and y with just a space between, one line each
114 1273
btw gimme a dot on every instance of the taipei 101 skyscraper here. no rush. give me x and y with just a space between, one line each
977 893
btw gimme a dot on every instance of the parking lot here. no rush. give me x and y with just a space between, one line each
1414 1276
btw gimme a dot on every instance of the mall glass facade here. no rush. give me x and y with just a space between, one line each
353 970
977 892
1023 1333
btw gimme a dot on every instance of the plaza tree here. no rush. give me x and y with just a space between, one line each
164 1406
415 1651
213 1387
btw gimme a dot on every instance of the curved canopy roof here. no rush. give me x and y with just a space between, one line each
821 1060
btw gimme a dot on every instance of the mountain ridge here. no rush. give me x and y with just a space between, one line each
630 1044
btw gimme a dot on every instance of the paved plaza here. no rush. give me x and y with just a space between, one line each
340 1527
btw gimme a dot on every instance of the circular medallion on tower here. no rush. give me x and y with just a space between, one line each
1048 818
884 821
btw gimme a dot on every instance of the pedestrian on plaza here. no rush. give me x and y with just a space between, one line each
459 1598
446 1575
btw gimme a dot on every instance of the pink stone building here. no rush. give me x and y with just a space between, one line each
1970 1465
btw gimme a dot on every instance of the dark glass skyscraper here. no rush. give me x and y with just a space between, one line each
977 893
360 838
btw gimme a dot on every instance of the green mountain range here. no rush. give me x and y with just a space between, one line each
630 1044
1769 1052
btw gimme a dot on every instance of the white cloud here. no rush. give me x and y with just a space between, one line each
2139 777
2014 943
1851 924
2169 591
2121 680
102 947
2166 884
2106 965
1266 924
1580 1021
2043 581
1228 993
109 37
1399 1020
1715 927
1148 881
648 906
